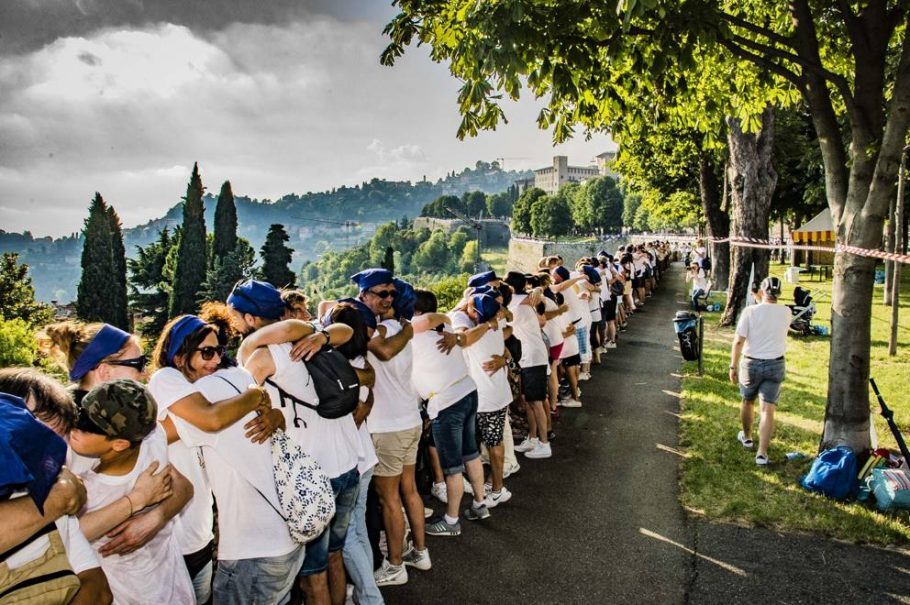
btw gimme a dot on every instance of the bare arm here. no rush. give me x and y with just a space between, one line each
150 488
137 530
213 417
472 335
429 321
385 348
289 330
93 588
21 519
566 284
735 354
260 364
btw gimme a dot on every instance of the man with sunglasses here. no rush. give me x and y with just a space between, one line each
394 423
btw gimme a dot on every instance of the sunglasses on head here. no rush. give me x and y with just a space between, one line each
137 363
208 353
384 293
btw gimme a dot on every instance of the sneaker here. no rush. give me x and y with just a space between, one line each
527 445
478 513
390 575
510 469
493 500
419 559
611 345
761 460
542 450
437 526
741 437
440 492
584 376
571 403
427 512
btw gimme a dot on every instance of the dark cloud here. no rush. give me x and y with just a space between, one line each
30 24
89 59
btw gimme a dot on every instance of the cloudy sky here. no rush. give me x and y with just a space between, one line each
279 96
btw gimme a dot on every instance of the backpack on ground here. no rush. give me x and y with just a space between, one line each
336 384
833 473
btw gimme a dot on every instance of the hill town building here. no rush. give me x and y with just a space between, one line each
551 178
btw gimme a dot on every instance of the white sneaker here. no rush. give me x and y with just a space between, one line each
427 512
510 469
541 451
611 345
492 500
390 575
418 559
571 403
440 492
584 376
527 445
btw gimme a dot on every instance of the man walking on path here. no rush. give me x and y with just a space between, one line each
757 363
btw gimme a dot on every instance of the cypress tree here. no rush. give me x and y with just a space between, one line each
225 223
191 254
119 315
389 261
95 298
276 258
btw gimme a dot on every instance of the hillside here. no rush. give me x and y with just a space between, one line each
316 222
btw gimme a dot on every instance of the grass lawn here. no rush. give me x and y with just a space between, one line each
720 479
497 258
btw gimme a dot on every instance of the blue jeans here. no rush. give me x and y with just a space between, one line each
264 581
761 377
202 583
454 434
358 553
346 486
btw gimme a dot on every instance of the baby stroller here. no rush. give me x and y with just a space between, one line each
803 311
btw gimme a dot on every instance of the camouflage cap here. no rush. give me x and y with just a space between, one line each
122 409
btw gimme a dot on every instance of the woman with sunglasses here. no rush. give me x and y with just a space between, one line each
93 354
187 350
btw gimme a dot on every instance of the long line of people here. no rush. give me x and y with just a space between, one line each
167 492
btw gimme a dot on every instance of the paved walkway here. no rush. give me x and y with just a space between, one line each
600 522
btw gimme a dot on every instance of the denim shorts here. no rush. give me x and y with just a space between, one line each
266 580
581 332
761 377
346 487
454 434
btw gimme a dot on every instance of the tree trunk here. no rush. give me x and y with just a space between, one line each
752 178
718 221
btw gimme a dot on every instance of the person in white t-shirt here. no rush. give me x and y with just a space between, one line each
757 363
700 285
187 353
487 360
444 382
116 437
54 407
358 552
526 327
572 353
256 311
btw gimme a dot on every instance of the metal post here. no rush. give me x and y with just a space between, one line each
898 219
701 344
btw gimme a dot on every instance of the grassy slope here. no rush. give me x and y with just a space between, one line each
721 480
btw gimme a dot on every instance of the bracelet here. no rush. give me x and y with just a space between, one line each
127 496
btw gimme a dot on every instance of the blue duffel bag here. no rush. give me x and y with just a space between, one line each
833 473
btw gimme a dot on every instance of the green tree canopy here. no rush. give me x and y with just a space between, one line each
551 215
17 295
119 298
521 211
149 290
225 222
598 204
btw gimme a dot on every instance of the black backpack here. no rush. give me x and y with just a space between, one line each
336 384
706 263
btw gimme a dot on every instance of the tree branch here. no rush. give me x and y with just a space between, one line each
762 61
757 29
